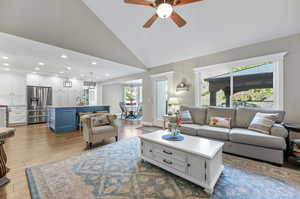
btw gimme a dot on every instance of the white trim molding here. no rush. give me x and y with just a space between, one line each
144 123
162 74
278 79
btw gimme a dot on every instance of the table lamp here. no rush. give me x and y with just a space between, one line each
172 102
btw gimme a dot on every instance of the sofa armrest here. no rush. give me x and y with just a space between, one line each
279 130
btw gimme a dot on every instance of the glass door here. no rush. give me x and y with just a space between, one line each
161 93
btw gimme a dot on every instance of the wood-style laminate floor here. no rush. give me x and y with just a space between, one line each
36 145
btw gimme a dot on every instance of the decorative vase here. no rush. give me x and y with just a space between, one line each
175 131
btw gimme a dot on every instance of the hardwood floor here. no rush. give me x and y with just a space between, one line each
36 144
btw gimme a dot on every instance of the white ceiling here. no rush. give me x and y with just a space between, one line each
24 56
213 26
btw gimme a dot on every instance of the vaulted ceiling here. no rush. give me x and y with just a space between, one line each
112 30
67 24
213 25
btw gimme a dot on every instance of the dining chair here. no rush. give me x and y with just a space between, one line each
123 109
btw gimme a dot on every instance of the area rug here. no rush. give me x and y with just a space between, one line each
115 171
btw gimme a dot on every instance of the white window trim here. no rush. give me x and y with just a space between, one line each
278 61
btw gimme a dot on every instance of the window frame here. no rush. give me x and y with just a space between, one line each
278 76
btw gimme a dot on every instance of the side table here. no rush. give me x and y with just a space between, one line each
5 133
291 142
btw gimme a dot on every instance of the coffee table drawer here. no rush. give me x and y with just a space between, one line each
170 162
175 154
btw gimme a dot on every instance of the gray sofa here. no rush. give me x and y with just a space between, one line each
239 140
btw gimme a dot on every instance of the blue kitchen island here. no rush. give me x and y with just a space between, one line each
66 118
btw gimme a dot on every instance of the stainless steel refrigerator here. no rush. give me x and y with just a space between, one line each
38 100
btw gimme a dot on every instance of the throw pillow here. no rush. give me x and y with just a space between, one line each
100 121
220 122
262 122
186 117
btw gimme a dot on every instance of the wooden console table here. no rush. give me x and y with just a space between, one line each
5 133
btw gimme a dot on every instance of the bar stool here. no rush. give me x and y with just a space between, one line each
5 133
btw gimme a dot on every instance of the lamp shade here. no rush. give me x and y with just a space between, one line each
173 101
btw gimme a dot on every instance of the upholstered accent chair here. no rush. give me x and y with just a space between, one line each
94 133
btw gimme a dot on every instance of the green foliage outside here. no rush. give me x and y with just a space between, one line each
254 95
130 95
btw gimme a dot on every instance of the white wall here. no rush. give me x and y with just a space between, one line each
12 88
113 94
61 96
184 70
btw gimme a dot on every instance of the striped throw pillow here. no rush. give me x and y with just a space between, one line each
262 122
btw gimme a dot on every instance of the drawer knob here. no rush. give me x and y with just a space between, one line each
150 151
188 164
166 161
167 152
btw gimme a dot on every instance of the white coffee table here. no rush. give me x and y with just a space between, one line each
195 159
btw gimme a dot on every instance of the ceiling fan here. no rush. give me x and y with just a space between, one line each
164 9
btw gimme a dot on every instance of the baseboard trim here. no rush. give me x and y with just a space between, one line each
147 123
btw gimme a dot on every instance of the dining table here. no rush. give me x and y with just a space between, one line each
131 108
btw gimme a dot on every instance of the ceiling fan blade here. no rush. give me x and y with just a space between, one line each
178 19
183 2
140 2
149 23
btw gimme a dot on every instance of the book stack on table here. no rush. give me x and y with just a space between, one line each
296 149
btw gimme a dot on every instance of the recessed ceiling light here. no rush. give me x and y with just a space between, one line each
61 72
7 69
6 64
68 68
4 57
94 63
41 64
34 72
37 68
107 75
64 56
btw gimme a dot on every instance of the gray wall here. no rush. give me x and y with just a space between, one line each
184 69
68 24
112 95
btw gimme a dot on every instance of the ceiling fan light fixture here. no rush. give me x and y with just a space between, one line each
164 10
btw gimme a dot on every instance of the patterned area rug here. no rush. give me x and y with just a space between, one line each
115 171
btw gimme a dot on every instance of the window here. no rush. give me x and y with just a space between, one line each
238 84
133 95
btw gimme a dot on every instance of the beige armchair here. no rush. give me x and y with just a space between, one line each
95 134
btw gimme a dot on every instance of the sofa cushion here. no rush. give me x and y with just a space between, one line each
244 116
213 132
221 112
103 129
245 136
189 129
279 130
198 113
